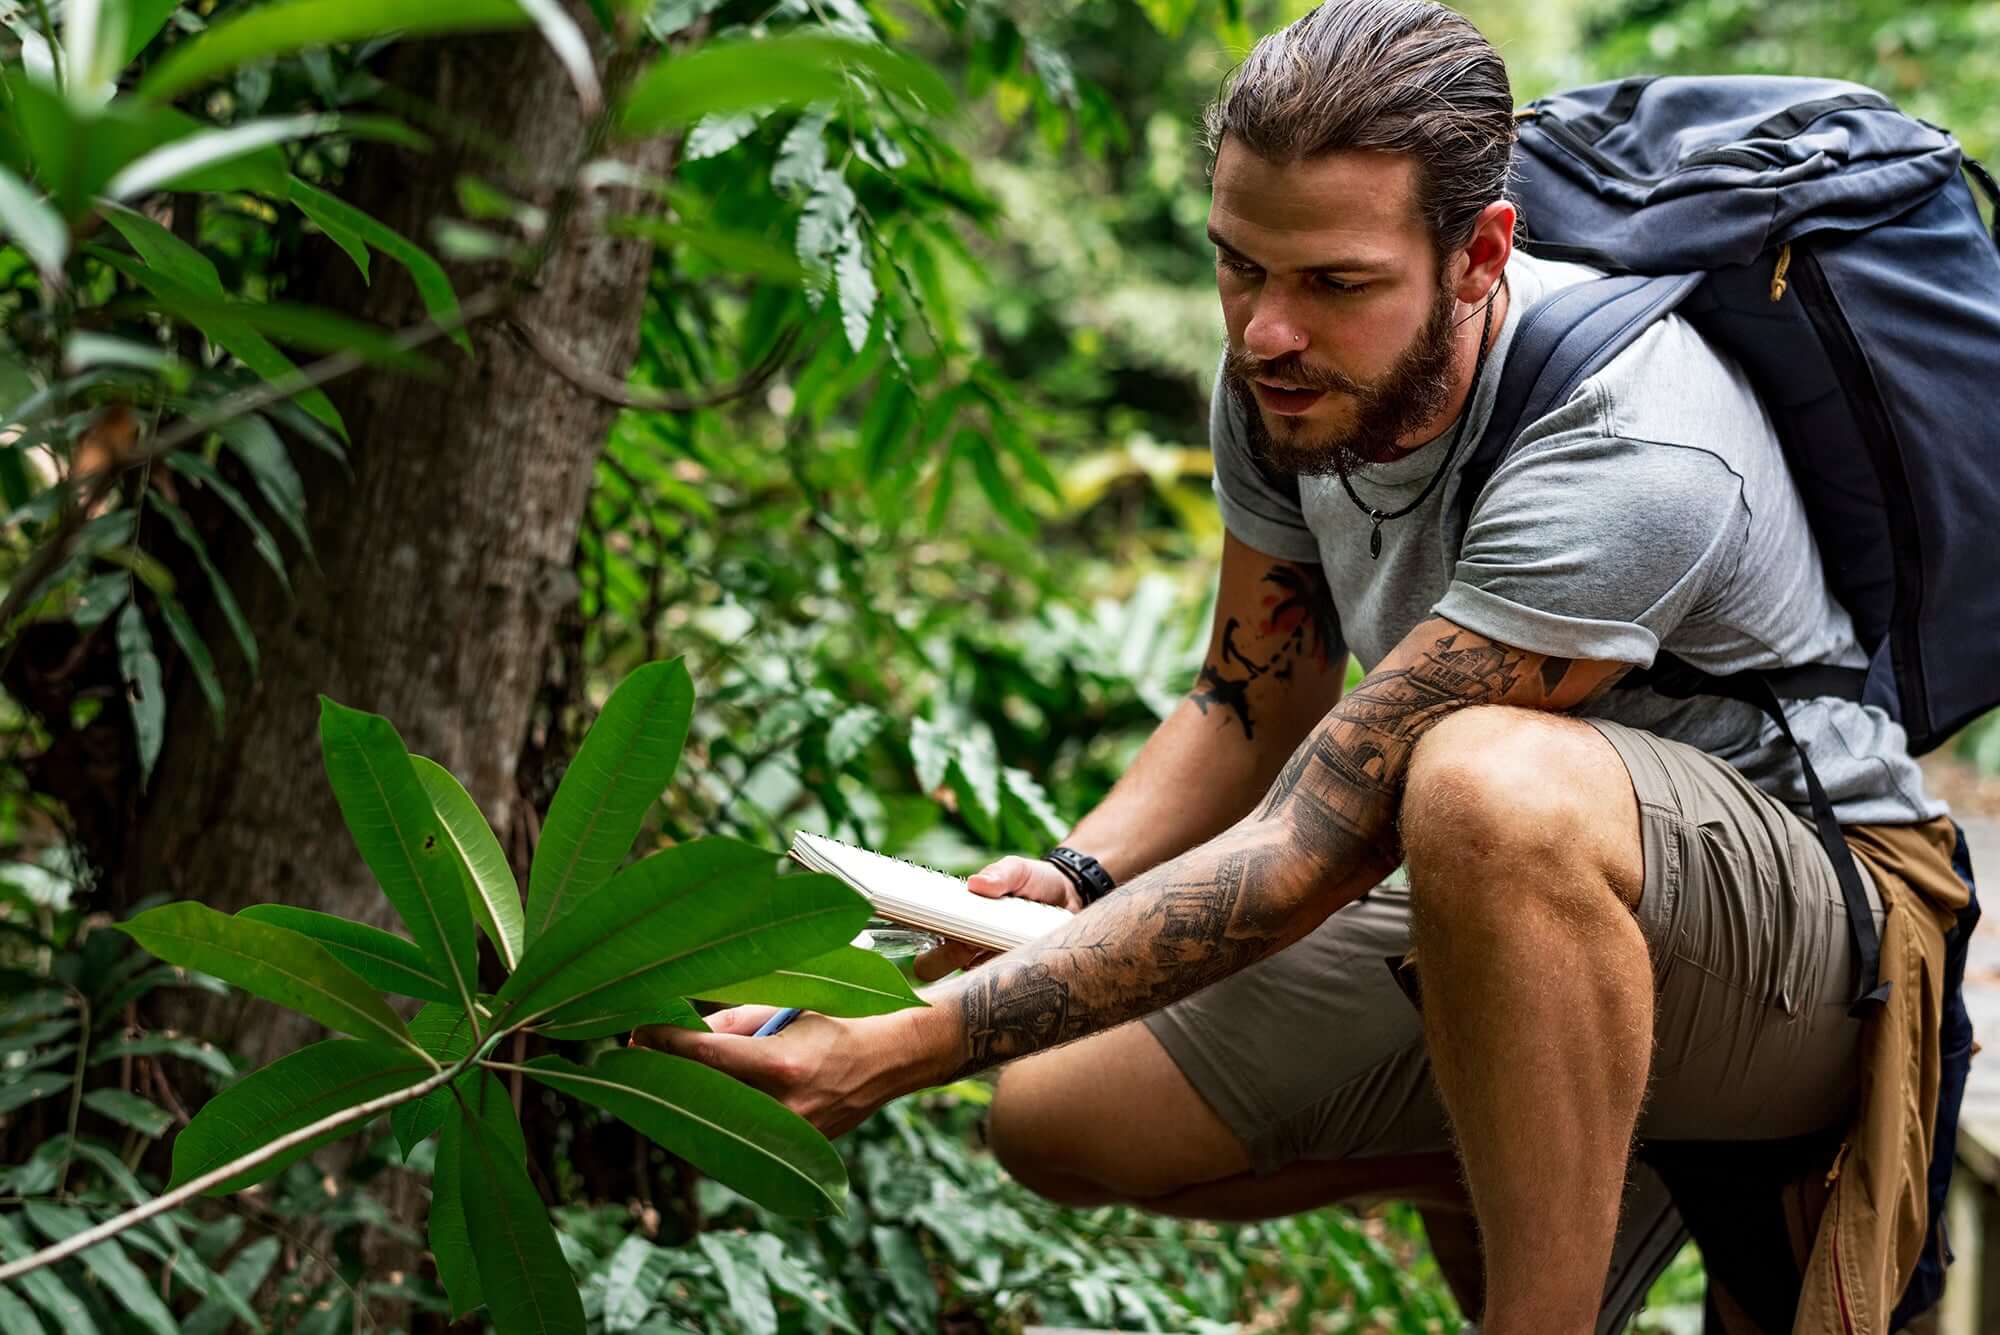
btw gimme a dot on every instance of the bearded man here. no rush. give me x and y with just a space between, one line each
1622 922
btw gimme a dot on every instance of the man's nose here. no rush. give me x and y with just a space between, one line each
1274 329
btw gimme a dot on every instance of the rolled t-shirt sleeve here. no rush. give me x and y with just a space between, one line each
1260 510
1597 546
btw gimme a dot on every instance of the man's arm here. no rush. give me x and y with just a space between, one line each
1325 833
1274 667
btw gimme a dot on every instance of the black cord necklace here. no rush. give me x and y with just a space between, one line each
1457 436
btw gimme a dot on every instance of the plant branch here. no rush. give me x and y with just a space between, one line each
617 392
140 1213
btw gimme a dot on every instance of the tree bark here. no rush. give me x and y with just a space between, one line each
442 563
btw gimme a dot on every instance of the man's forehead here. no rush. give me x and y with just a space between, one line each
1345 200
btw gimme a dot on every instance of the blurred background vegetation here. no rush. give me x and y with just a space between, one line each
938 566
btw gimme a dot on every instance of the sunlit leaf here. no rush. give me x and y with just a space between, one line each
382 959
271 962
176 160
698 915
292 1092
619 772
794 69
736 1134
845 981
31 224
292 25
495 898
337 215
401 838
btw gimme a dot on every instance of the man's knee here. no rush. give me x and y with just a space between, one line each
1521 798
1032 1127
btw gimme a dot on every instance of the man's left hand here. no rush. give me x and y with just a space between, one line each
831 1072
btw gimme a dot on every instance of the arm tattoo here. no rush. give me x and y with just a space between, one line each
1325 833
1301 614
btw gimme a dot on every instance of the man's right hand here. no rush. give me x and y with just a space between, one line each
1024 878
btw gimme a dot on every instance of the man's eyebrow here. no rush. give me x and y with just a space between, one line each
1336 265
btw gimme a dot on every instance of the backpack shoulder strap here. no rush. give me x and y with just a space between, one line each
1560 342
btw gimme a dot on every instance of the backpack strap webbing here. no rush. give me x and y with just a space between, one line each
1560 342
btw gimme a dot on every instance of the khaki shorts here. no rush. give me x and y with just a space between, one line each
1317 1053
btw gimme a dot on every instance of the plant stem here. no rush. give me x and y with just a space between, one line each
139 1214
75 1091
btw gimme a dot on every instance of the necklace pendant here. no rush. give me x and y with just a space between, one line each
1375 542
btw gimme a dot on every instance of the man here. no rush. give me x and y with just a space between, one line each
1622 925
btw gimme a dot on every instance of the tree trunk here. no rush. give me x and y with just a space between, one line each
442 563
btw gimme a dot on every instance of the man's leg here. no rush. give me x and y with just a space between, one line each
1522 835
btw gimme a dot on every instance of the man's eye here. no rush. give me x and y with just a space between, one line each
1345 289
1235 265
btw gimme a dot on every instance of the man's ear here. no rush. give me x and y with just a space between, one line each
1485 256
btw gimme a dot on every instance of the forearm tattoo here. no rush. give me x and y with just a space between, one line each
1325 833
1301 614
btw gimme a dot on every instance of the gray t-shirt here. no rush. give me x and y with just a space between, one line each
1651 511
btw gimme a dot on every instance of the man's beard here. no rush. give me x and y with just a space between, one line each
1393 405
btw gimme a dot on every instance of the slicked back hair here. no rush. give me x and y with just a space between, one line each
1392 76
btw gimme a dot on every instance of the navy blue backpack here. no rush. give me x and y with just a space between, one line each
1831 245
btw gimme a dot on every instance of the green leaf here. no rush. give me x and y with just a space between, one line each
489 884
202 471
401 838
698 915
293 25
793 69
739 252
32 224
336 216
744 1283
673 1011
44 1290
850 734
163 253
142 1115
1030 819
450 1247
243 1277
270 962
173 162
736 1134
139 666
17 1316
108 1261
292 1092
844 981
931 748
619 772
383 960
999 491
225 597
31 1088
442 1031
854 279
191 643
522 1274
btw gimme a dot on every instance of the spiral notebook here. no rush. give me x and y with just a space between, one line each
915 896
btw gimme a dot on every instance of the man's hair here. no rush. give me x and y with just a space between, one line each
1393 76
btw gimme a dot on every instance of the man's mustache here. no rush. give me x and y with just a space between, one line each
1290 369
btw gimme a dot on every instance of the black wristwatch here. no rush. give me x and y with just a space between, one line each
1085 872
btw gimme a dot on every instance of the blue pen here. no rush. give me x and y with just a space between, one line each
777 1022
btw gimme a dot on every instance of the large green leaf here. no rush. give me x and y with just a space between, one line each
442 1030
619 771
845 981
292 1092
791 70
292 25
699 915
673 1011
383 959
271 962
496 899
401 838
522 1274
449 1244
736 1134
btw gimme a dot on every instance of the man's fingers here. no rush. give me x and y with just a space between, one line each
740 1019
1004 877
935 963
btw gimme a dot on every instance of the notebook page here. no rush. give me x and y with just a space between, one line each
920 897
